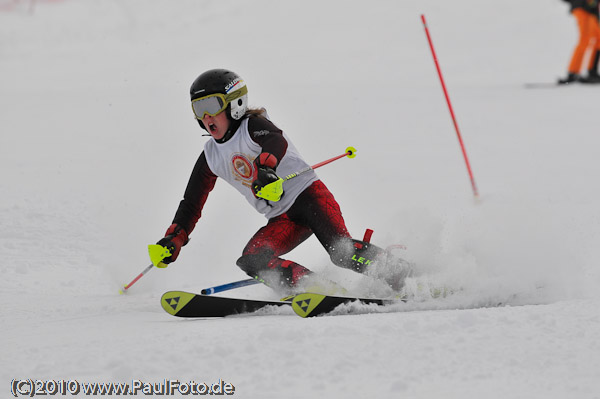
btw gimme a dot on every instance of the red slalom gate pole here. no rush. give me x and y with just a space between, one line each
460 140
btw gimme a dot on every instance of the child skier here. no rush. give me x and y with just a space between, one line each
250 152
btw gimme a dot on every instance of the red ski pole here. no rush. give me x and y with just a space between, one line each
157 254
139 276
350 153
460 140
274 190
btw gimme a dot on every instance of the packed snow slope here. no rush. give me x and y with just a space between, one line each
97 142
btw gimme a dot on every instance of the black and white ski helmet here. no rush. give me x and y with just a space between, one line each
225 82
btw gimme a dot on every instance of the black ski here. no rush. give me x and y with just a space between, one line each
545 85
186 304
549 85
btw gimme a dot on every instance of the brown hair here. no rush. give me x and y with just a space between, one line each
255 111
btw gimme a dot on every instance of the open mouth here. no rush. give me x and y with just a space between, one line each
212 127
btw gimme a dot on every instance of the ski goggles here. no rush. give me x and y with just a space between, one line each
214 104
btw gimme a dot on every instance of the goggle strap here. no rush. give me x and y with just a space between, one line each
236 94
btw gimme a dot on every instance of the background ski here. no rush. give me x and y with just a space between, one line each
545 85
186 304
549 85
310 305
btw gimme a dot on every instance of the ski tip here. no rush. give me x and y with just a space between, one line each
173 301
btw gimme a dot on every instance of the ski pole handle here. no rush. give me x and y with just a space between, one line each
229 286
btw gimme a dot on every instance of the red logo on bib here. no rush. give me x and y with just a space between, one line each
242 167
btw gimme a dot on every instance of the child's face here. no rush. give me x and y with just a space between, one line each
216 125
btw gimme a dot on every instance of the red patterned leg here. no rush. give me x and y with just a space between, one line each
290 271
317 208
262 252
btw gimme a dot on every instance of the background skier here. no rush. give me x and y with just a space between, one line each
586 13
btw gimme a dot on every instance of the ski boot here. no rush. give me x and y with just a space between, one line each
592 77
571 78
373 261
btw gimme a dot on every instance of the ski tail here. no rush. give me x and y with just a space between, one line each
310 304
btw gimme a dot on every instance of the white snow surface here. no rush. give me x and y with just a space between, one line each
98 140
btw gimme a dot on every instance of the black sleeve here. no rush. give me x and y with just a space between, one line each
201 183
268 136
590 6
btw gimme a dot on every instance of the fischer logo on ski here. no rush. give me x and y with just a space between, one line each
172 302
175 301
